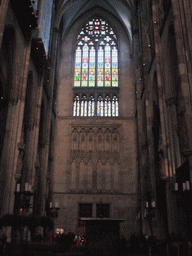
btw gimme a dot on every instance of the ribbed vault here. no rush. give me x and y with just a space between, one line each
70 10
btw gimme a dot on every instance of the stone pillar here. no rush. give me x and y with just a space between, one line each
31 177
12 136
44 149
166 170
3 12
183 45
141 158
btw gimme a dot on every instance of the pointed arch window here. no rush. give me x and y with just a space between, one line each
96 70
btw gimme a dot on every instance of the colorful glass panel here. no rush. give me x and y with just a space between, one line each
100 67
84 66
92 67
77 68
114 67
107 66
96 64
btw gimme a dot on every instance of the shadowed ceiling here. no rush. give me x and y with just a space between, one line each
70 10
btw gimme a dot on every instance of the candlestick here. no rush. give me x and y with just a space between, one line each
188 185
176 186
153 204
26 186
18 187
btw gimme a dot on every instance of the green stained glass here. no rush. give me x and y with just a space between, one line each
77 68
114 67
107 66
85 66
100 67
92 68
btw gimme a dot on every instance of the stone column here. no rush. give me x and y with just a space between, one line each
31 177
12 136
166 166
184 66
44 149
3 12
141 158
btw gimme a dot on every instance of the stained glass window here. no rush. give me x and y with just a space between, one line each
96 66
96 47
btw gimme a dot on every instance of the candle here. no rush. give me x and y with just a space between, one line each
18 187
176 186
188 185
147 204
30 187
184 186
26 186
51 204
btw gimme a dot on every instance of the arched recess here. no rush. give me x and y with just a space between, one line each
66 67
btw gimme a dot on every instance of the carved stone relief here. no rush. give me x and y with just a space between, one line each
97 152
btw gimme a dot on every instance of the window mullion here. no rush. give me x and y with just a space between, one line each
104 66
81 66
96 63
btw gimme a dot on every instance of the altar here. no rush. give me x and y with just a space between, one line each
102 236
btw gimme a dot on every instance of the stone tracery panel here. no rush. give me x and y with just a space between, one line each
98 151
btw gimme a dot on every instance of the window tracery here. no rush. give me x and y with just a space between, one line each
96 67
